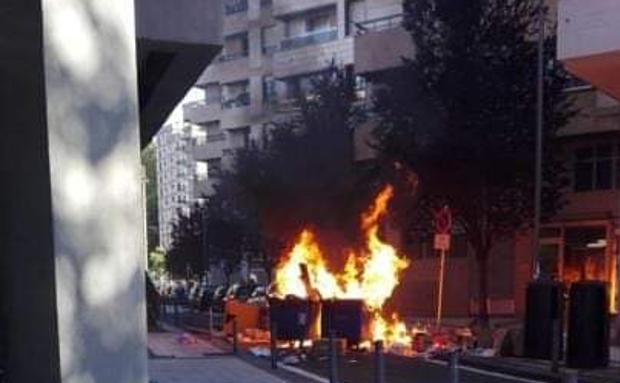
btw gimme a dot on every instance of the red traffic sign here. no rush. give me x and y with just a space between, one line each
443 220
442 242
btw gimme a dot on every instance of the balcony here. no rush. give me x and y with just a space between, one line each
238 101
379 24
381 44
589 41
285 7
210 149
199 112
309 39
312 58
227 57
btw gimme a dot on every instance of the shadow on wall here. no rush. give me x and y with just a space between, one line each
97 212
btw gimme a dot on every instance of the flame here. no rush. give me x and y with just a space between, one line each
370 275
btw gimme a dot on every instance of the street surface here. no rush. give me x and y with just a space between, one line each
178 359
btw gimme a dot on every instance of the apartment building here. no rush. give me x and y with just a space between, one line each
272 48
179 175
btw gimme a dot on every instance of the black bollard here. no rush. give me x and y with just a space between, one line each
379 362
274 349
333 358
454 367
235 336
555 347
176 312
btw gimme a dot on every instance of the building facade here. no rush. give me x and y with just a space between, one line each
272 49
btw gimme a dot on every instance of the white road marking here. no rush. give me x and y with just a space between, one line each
486 372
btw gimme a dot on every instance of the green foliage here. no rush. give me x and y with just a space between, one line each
157 261
303 173
461 115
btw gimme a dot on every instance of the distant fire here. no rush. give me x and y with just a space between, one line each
370 275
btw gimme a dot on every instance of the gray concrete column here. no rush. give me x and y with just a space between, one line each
72 246
341 15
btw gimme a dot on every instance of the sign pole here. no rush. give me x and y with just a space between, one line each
440 294
443 227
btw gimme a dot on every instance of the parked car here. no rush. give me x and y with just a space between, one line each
206 297
258 296
217 301
240 292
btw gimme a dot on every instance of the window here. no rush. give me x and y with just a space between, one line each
269 39
270 94
236 94
595 167
235 47
213 94
235 6
214 167
240 137
214 132
311 28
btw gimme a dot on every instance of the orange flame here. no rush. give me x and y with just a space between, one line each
370 276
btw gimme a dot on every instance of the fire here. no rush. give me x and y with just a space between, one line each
370 275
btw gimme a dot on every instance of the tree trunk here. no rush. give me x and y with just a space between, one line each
482 257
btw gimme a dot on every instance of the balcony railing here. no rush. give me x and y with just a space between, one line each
235 6
225 57
379 24
241 100
310 39
216 137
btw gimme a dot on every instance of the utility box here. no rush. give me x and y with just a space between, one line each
588 332
544 306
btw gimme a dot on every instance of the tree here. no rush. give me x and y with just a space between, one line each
303 173
461 115
186 253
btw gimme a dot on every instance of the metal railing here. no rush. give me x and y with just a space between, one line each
241 100
216 137
379 24
225 57
235 6
309 39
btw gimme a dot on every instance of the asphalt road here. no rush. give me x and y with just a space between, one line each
360 369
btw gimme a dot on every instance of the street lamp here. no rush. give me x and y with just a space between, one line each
539 139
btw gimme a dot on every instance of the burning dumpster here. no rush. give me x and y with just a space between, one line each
295 318
345 317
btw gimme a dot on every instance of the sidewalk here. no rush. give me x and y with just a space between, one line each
178 357
213 370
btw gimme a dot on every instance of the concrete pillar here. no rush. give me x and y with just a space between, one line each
341 16
72 246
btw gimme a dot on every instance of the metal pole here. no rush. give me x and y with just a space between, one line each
273 336
539 139
379 362
333 358
176 312
210 321
442 267
454 367
235 336
555 347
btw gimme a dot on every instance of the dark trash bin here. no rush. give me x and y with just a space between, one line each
588 331
543 307
295 318
345 318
